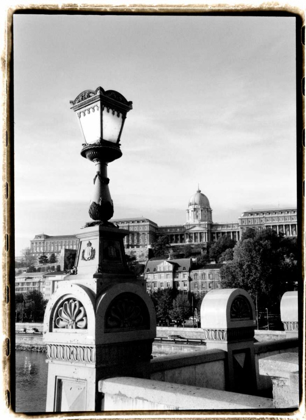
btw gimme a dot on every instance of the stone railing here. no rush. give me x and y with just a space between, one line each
202 368
121 394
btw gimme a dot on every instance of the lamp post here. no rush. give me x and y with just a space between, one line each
101 115
100 322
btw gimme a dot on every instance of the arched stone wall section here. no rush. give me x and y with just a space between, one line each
138 302
76 303
224 309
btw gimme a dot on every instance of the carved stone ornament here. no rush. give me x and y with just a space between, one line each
291 325
212 334
229 334
73 353
89 252
127 312
71 315
241 309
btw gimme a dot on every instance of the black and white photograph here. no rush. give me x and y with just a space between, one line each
157 213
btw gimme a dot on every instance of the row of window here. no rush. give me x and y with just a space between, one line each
54 248
271 213
28 283
194 276
202 276
194 286
267 219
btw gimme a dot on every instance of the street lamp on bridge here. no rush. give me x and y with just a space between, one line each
101 115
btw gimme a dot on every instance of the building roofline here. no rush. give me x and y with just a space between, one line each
55 236
271 209
127 219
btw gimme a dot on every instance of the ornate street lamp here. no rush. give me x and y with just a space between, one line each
101 115
100 322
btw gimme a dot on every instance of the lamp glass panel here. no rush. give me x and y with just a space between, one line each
90 121
111 125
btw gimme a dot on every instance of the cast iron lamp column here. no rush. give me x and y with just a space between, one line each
101 115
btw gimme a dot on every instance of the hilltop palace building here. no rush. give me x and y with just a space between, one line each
198 230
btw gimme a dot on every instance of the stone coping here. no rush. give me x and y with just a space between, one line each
181 360
280 365
268 346
177 396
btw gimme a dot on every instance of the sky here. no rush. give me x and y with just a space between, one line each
214 105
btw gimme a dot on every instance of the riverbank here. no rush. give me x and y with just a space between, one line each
30 342
27 347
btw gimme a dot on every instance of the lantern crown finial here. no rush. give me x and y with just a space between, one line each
110 97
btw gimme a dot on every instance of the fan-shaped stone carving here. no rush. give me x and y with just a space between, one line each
127 312
71 314
241 309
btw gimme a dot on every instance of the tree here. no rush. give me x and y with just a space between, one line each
181 308
202 260
161 246
227 255
221 245
165 305
19 307
35 305
28 259
265 265
43 259
52 259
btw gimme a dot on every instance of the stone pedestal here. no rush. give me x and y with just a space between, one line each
289 314
228 323
100 323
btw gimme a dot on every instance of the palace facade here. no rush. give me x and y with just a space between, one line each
43 244
198 230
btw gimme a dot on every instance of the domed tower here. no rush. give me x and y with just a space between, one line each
199 209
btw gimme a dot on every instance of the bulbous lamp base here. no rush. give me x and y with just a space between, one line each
101 212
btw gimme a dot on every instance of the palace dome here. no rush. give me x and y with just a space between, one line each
199 199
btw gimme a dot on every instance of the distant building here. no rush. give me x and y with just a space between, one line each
167 274
180 275
204 279
142 232
27 282
281 220
199 229
46 283
43 244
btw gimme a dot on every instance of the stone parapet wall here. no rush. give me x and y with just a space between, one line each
198 333
120 394
267 349
201 368
170 347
